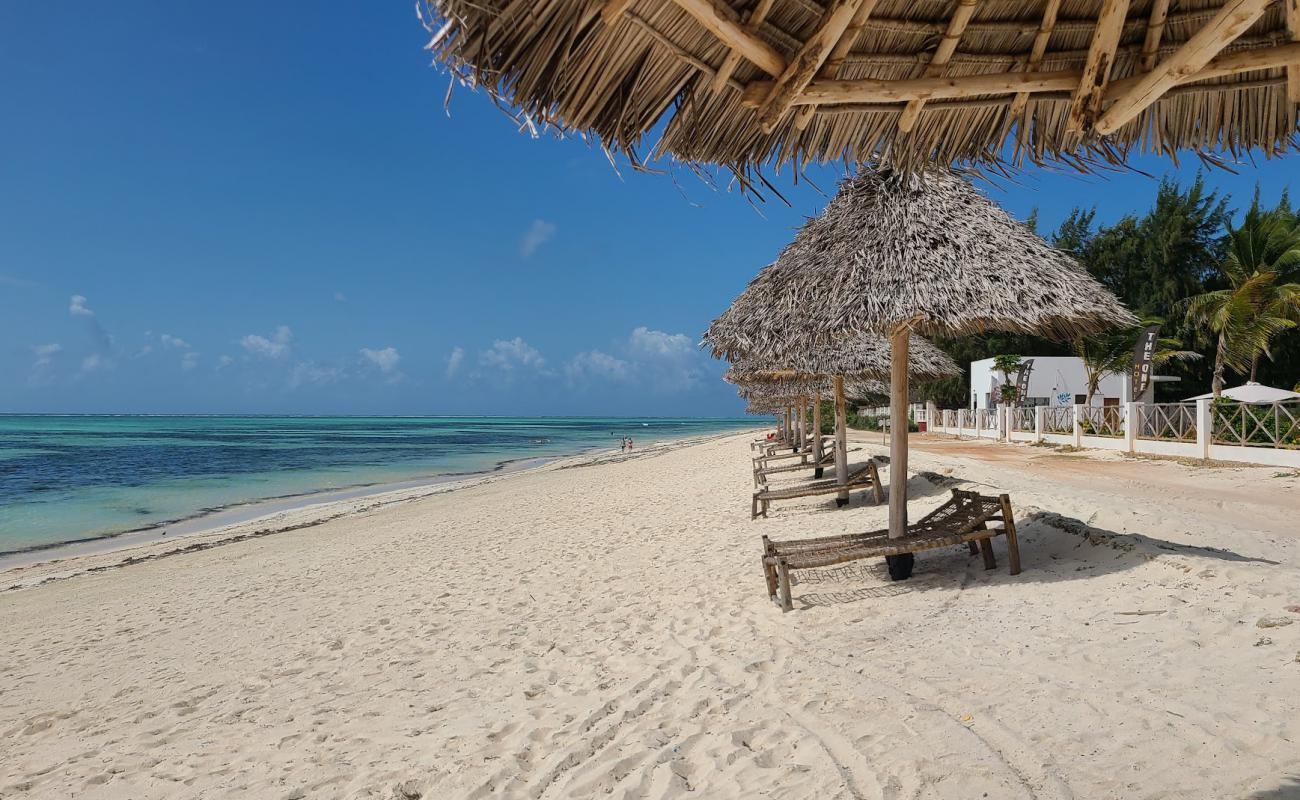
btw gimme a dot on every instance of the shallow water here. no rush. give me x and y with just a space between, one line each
70 478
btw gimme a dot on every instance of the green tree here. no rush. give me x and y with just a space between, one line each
1112 354
1007 364
1261 299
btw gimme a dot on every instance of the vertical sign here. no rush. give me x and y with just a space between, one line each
1143 354
1022 380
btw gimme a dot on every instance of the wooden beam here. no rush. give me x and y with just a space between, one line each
720 19
1155 30
831 69
804 66
1233 19
883 91
1085 105
1293 70
865 91
613 10
943 53
1036 51
752 24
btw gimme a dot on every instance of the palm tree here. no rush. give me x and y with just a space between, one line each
1006 365
1260 301
1112 354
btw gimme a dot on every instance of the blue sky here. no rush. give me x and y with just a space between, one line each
262 207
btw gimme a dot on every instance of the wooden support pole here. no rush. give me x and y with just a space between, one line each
719 19
898 341
1293 69
1085 105
947 46
831 69
819 452
1233 19
1036 51
752 23
804 66
1155 30
841 442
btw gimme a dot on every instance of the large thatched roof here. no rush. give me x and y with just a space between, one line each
928 249
862 356
792 389
744 82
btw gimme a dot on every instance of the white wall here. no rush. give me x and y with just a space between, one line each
1051 377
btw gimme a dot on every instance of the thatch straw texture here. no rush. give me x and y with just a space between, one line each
793 389
1003 76
928 250
860 356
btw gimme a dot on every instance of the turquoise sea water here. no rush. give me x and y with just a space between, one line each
70 478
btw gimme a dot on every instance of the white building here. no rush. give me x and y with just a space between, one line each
1053 381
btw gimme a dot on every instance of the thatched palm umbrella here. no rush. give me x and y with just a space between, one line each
855 357
898 254
744 84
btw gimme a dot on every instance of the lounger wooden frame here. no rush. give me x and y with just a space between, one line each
860 477
964 519
762 472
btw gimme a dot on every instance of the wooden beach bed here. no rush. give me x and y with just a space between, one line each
860 477
964 519
762 471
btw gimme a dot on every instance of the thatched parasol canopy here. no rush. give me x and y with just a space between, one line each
747 82
852 357
925 250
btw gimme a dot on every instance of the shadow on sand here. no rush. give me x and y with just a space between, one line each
1043 560
1288 789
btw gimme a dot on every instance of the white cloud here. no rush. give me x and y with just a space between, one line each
509 355
94 363
385 359
45 353
595 365
174 341
538 234
310 373
224 361
340 297
277 346
454 361
77 307
657 344
189 361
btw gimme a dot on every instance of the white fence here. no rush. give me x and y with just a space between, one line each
1226 431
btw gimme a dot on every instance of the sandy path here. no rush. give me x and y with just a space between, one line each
602 631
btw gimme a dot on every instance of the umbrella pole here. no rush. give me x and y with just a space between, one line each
817 434
841 444
900 566
798 428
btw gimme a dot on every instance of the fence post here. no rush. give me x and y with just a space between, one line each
1132 419
1039 412
1204 425
1078 425
931 411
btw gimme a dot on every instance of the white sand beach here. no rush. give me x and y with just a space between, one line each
599 628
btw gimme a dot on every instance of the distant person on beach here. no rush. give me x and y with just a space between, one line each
629 444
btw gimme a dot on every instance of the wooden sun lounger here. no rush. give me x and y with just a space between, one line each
795 452
962 520
762 472
860 477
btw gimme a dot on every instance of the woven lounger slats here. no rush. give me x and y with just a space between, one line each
763 472
963 519
859 477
